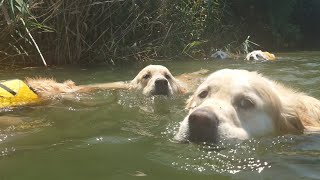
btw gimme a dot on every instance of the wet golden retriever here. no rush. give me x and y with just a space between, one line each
241 104
158 80
151 80
260 55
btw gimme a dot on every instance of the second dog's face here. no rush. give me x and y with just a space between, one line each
155 80
233 104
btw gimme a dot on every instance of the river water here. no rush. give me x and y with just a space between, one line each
122 135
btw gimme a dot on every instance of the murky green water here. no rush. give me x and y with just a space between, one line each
121 135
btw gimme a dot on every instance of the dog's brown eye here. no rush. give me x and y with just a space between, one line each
246 103
167 76
203 94
147 76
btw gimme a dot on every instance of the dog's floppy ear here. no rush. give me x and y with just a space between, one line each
305 112
290 122
189 103
283 112
134 84
287 118
176 84
181 88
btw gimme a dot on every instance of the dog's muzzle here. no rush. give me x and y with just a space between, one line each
161 87
203 126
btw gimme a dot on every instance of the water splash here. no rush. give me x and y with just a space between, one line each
226 157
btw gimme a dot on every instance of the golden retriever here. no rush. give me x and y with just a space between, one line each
241 104
158 80
151 80
260 55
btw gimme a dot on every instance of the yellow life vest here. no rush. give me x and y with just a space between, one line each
16 93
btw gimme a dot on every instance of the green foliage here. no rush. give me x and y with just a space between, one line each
17 44
114 32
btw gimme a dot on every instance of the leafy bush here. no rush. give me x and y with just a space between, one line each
119 31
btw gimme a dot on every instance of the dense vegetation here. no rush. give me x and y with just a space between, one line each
117 31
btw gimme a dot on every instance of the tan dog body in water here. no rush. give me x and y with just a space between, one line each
152 80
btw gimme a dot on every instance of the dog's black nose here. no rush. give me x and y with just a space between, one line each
203 126
161 83
161 87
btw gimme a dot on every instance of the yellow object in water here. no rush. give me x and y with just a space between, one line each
16 93
269 56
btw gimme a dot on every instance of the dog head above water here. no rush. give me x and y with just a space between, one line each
260 55
241 104
156 80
